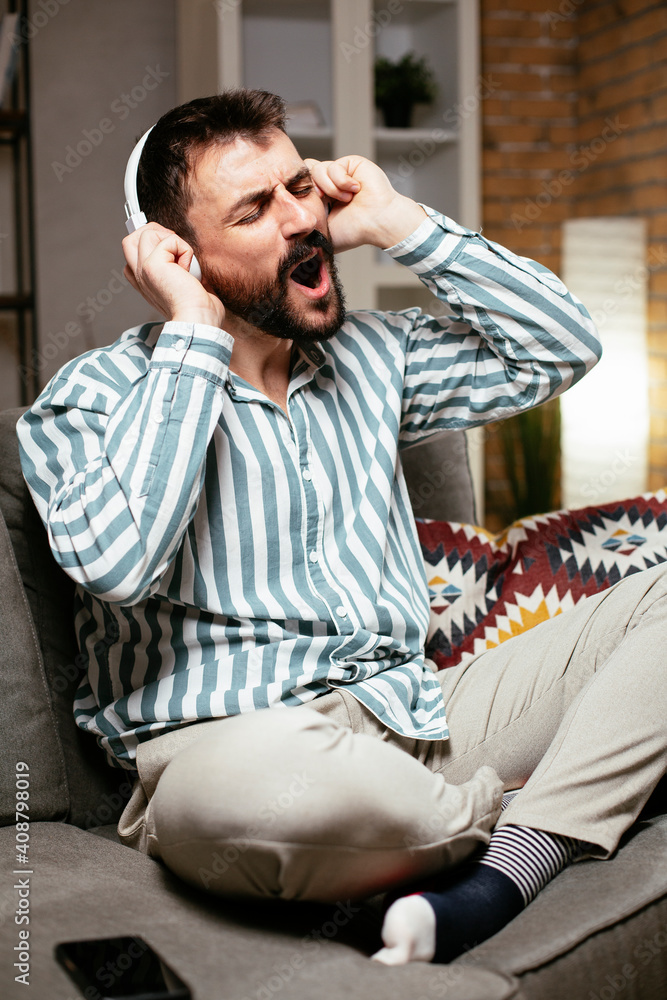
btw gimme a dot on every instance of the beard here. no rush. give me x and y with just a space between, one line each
266 306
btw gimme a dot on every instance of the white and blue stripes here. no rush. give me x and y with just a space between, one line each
531 858
230 557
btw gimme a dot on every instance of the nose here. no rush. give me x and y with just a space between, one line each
298 217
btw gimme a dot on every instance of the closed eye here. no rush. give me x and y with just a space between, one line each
298 192
253 217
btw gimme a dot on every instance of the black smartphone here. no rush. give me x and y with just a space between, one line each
127 967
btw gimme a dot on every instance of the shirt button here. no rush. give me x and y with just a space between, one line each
313 556
307 475
158 418
179 345
341 611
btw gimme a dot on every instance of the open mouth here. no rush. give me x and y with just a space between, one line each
311 277
307 273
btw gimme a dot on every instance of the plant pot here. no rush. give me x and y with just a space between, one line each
397 114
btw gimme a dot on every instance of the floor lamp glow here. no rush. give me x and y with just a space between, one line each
605 418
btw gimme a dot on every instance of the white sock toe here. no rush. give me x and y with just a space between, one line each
408 932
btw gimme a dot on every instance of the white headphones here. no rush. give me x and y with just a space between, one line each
135 217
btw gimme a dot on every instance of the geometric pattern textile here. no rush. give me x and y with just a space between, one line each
485 589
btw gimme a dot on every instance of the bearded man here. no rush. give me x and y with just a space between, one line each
226 491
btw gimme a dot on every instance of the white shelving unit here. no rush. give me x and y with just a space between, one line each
323 51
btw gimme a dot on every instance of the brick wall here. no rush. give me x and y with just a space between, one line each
577 125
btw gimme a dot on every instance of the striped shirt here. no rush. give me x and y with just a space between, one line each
229 556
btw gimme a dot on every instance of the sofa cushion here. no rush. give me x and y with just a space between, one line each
596 922
70 779
484 589
87 887
437 473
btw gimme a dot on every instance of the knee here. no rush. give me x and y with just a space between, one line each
250 783
242 774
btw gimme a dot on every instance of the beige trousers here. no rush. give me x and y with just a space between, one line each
323 802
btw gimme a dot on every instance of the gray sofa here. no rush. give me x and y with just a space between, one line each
598 932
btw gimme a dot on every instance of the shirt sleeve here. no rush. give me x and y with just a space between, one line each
114 453
510 335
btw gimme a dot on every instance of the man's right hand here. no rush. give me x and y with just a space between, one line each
157 266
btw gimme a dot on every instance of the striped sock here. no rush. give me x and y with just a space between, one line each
531 858
476 901
507 798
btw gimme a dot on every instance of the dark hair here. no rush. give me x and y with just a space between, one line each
172 148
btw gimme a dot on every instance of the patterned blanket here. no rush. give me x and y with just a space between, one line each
486 588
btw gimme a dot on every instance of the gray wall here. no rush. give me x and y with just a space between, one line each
84 60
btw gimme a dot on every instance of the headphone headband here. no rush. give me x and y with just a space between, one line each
135 217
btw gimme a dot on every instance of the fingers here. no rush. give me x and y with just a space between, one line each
129 274
151 242
344 183
333 179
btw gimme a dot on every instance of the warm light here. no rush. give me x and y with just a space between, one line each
605 418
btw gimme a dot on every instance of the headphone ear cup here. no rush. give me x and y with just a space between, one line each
195 269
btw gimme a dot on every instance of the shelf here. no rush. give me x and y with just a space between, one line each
11 302
397 140
13 122
286 8
320 134
314 142
380 4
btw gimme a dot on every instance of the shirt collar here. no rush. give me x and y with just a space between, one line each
311 353
307 359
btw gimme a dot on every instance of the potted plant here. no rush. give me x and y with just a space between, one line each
400 85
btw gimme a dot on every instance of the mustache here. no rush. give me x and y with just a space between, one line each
302 248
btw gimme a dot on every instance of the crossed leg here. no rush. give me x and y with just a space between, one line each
324 802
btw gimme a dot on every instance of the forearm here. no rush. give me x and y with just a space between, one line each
513 334
123 486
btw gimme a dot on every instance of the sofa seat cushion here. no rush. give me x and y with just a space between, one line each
86 886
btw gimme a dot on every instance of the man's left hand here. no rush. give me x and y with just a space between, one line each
366 209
